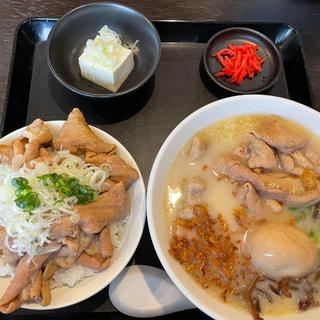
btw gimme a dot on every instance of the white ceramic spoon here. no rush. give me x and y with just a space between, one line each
144 291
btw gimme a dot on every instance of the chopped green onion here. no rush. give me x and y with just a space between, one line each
28 202
85 195
68 186
23 191
20 182
26 199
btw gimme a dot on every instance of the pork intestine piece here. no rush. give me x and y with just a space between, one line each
9 256
288 164
197 148
47 274
25 268
275 135
77 137
261 155
38 134
98 254
277 186
110 206
252 200
6 154
64 228
66 261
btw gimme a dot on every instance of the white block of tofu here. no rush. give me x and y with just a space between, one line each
110 78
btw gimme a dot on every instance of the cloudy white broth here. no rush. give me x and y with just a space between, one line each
241 206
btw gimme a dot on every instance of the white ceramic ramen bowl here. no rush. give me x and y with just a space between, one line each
64 296
211 113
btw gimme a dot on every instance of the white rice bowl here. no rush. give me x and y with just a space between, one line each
91 281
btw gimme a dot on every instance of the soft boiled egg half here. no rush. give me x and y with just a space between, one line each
281 250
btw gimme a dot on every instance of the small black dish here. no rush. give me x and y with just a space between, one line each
261 82
69 35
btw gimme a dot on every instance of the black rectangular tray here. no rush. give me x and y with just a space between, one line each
140 121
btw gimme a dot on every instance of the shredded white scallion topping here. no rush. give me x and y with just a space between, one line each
104 49
28 232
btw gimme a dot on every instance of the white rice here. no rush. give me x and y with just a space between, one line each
70 277
117 231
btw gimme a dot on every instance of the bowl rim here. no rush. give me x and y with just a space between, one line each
162 254
101 95
136 218
238 91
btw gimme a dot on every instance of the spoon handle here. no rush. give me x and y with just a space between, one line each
144 291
